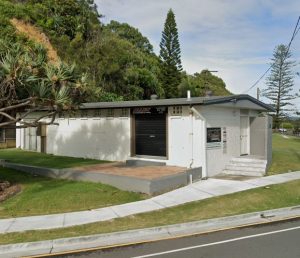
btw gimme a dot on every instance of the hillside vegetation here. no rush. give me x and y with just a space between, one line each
35 34
117 59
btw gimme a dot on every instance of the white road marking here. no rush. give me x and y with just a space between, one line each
217 243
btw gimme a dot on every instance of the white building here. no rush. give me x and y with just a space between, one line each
206 132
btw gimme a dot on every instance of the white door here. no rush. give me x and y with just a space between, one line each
244 135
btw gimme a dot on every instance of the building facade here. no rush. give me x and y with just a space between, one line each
194 133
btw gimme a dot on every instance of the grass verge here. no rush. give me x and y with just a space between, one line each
44 160
275 196
41 195
286 154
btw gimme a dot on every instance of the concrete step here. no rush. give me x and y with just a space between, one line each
244 168
143 163
243 173
247 164
249 160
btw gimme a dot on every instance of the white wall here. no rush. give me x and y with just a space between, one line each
105 138
222 117
182 129
102 138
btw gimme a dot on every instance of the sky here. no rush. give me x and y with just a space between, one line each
234 37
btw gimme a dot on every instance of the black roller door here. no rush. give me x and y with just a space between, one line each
150 131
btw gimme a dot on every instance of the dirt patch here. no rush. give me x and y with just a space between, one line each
7 190
35 34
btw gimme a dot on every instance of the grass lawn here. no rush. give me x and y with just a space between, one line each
276 196
286 154
41 195
44 160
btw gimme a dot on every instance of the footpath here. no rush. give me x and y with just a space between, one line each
66 246
194 192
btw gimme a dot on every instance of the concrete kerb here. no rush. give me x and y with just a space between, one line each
148 234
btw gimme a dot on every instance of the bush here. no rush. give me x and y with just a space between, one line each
287 125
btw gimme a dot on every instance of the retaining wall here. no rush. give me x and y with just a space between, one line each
134 184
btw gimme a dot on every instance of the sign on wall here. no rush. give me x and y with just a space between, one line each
149 110
224 140
214 137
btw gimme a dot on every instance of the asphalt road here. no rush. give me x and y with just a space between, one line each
281 239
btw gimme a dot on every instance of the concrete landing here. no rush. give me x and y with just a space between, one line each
151 180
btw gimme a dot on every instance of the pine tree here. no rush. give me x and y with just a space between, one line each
170 57
280 83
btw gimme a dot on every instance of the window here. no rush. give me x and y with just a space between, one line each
61 115
2 135
124 112
84 114
72 114
97 113
214 134
110 112
10 134
177 111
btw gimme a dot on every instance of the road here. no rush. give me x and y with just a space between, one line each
281 239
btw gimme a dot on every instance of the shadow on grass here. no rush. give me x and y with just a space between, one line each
23 178
45 160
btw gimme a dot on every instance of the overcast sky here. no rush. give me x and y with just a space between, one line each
234 37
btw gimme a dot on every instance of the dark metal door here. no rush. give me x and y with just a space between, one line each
150 133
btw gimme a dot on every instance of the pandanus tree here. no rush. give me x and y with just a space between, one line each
29 83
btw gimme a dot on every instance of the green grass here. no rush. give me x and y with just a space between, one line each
286 154
44 160
41 195
275 196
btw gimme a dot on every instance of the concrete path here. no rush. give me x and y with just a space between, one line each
194 192
131 237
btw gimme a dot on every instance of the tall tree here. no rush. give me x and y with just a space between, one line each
125 31
280 82
170 57
200 83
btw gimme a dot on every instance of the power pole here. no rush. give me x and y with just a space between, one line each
257 93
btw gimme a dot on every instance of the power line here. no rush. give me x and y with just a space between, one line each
295 32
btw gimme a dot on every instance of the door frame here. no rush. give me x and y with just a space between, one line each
248 135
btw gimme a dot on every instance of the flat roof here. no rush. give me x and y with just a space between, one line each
176 102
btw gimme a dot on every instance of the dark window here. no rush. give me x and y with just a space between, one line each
177 111
84 114
124 112
1 135
214 134
110 112
61 115
10 134
97 113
